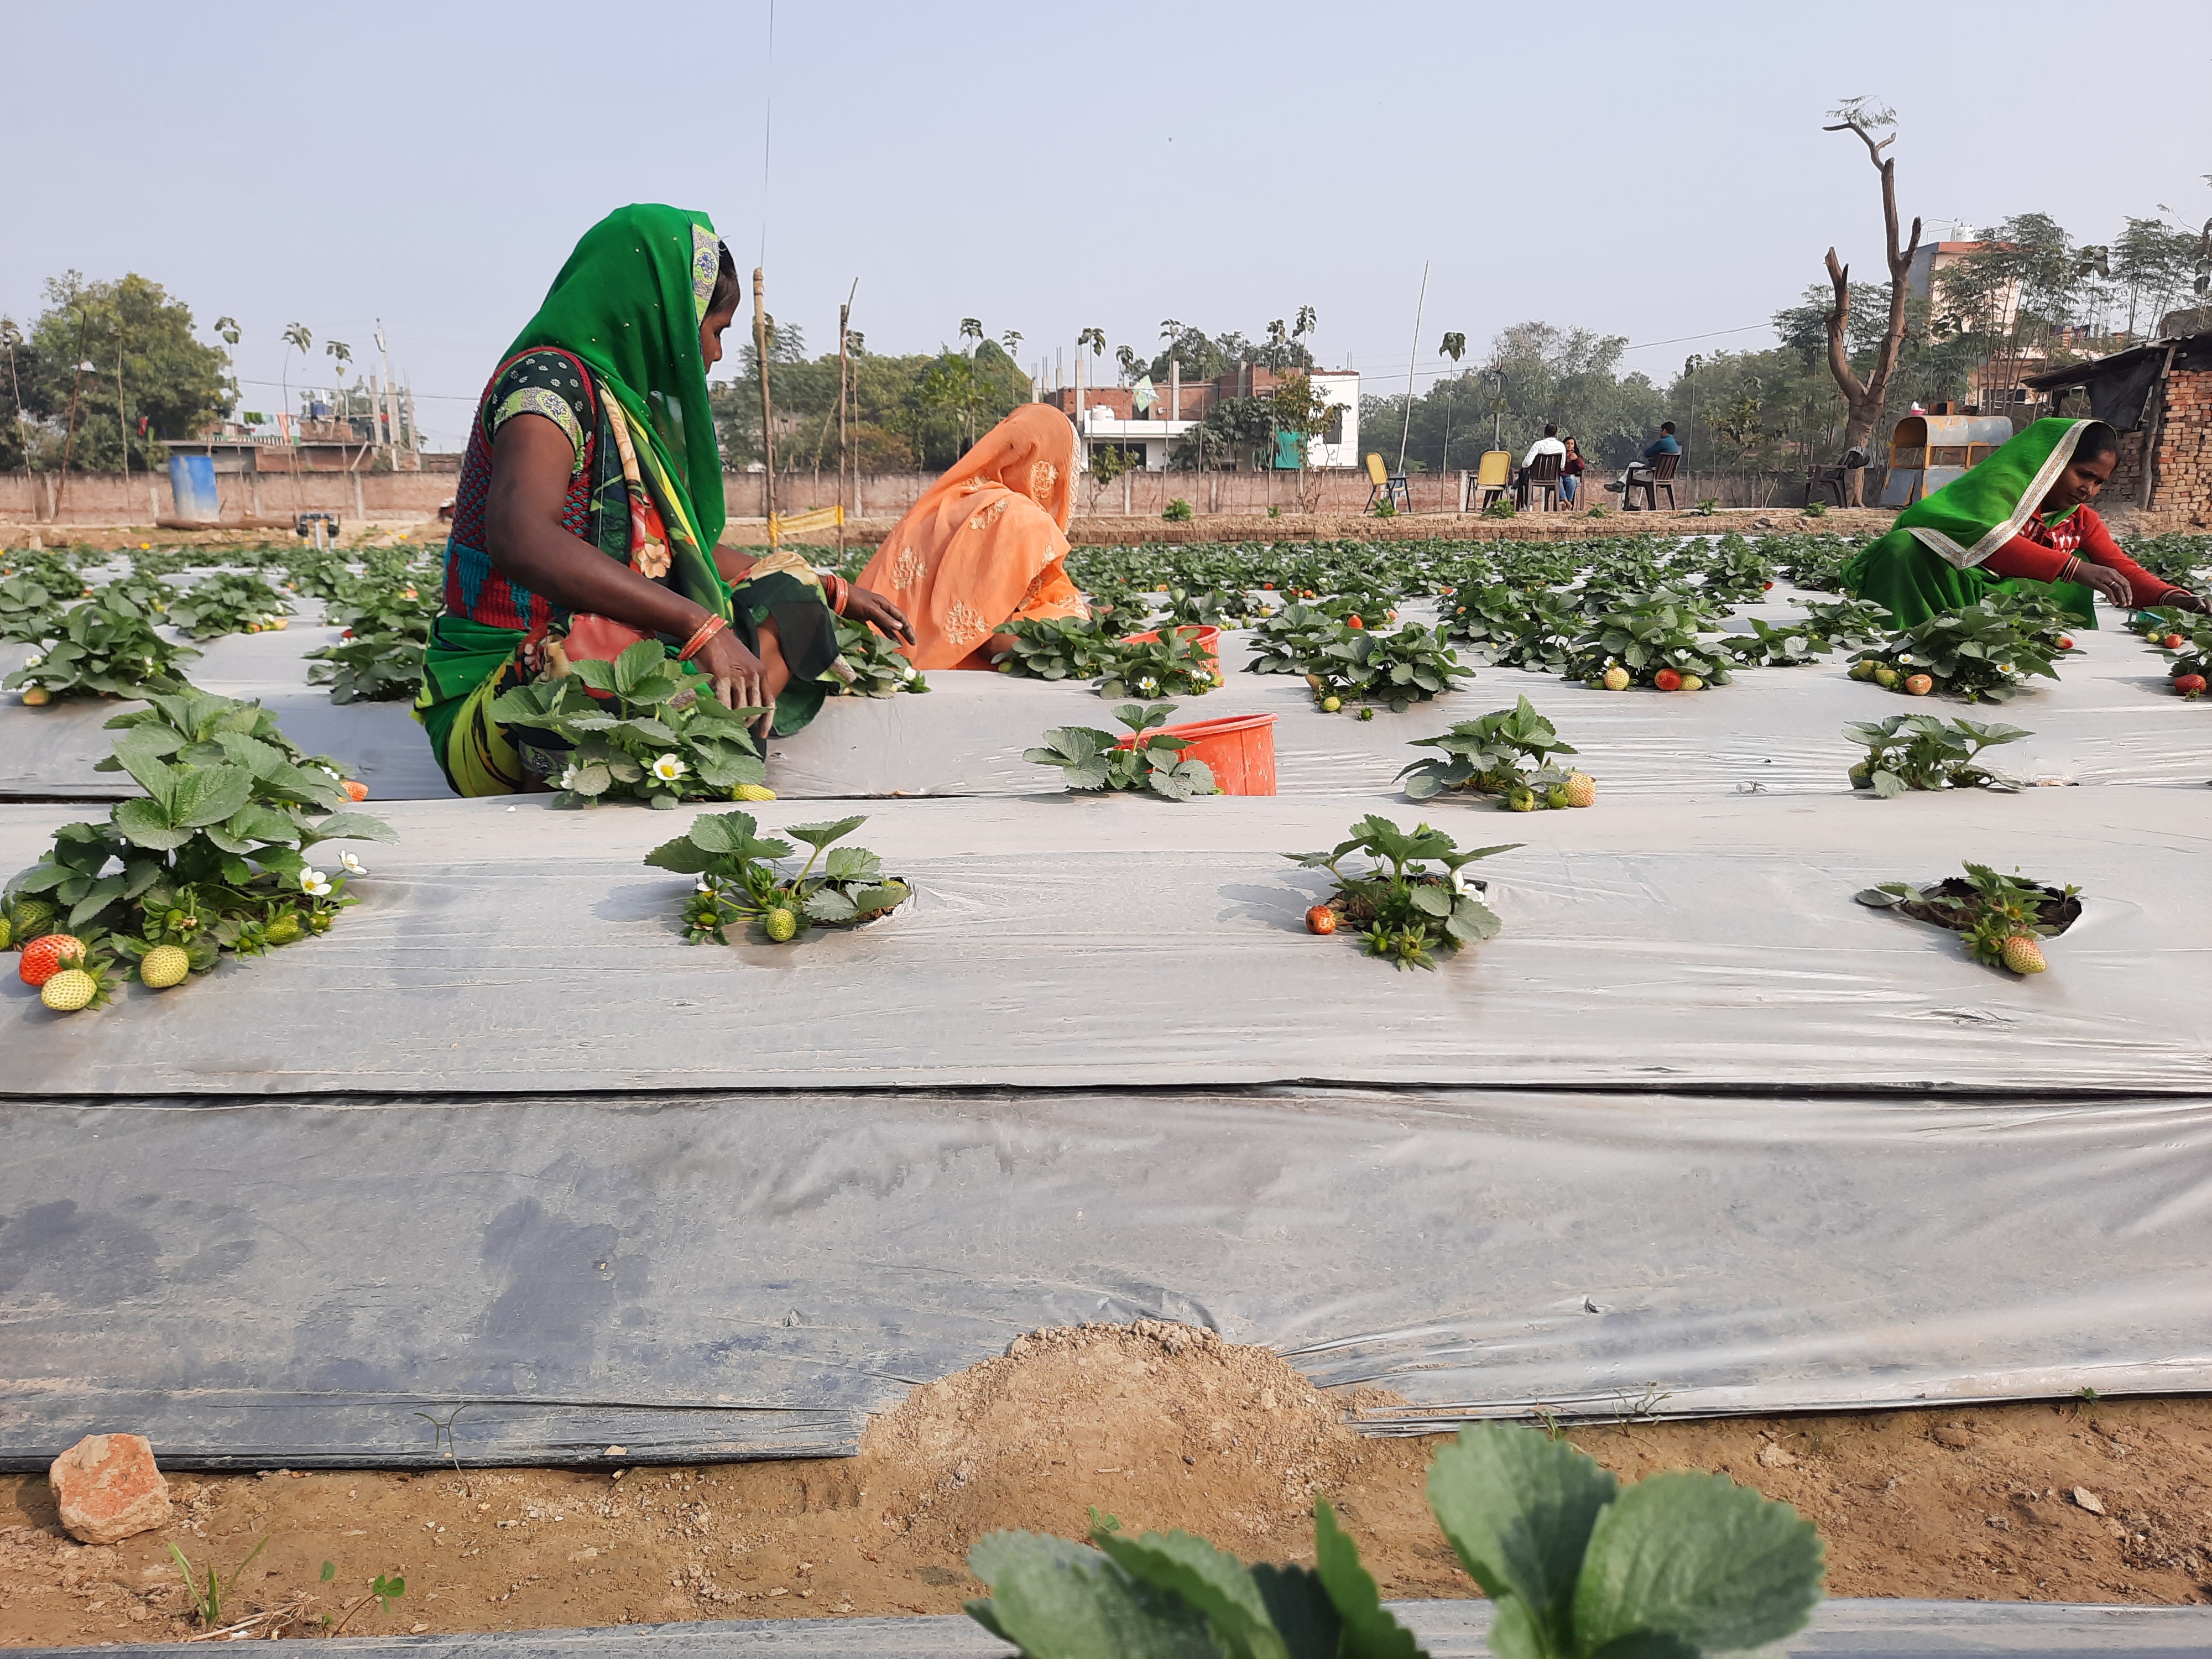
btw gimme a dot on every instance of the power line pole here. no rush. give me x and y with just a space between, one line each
844 400
768 426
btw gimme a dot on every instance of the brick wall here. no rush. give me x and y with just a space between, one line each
2182 466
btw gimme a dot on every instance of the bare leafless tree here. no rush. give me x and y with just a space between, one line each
1863 399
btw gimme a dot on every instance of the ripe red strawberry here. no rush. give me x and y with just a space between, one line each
1668 680
1321 919
2173 641
355 789
44 958
2189 685
1353 621
2065 641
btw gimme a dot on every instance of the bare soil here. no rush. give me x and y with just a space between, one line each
1162 1426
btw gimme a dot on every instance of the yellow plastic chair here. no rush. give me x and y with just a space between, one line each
1493 476
1386 485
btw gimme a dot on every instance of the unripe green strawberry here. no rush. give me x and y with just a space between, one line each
780 925
285 929
163 966
70 990
34 917
1616 679
1330 705
2023 955
1862 776
1884 676
1557 797
7 933
1521 799
1863 670
1581 788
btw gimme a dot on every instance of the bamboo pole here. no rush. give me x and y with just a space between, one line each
768 426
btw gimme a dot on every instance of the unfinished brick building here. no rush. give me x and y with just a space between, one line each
2159 396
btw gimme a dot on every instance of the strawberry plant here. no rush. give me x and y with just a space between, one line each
1484 614
29 610
1653 640
1813 562
1506 753
228 603
638 726
104 647
1054 649
1769 647
1543 639
1288 641
1830 623
1926 751
2178 557
2003 918
57 573
1145 759
1171 666
1364 664
215 856
1407 910
1736 574
870 665
1579 1567
369 667
1979 653
1213 607
739 884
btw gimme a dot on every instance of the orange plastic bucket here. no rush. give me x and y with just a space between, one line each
1209 644
1239 748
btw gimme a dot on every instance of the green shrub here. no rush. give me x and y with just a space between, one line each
1406 910
1487 755
1178 511
737 882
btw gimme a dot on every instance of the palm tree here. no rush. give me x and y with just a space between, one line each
1010 340
296 338
1454 347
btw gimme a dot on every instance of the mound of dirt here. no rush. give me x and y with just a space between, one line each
1160 1424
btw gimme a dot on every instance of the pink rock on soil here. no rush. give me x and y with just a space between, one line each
107 1488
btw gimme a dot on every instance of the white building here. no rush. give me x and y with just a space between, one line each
1109 418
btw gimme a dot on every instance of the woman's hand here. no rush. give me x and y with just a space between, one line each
2116 588
738 675
862 606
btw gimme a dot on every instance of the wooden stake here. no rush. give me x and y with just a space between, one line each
768 426
844 400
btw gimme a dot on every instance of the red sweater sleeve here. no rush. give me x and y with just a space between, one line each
2023 557
2098 547
2020 557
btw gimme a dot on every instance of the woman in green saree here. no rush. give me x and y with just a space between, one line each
590 507
2020 521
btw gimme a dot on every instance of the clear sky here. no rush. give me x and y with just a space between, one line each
1653 170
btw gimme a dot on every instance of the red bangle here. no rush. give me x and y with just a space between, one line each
704 632
836 590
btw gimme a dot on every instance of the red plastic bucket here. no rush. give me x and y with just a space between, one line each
1209 644
1240 749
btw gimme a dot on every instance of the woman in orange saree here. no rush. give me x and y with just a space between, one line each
985 545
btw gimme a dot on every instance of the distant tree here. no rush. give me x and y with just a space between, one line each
170 380
1863 396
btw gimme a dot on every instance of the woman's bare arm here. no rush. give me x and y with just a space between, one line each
531 458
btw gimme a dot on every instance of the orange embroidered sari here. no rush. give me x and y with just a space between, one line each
986 544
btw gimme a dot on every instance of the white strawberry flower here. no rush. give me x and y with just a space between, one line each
32 662
314 883
668 768
568 778
1459 882
329 773
351 864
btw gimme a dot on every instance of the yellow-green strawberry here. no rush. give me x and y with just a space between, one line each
780 925
752 792
163 966
33 918
1581 789
74 989
7 933
1521 799
2023 955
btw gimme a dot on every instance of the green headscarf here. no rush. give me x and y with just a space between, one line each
1975 515
1931 559
629 302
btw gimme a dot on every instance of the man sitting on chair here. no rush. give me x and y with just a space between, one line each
1642 472
1549 444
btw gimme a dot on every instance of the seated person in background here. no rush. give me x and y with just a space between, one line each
1641 471
1549 444
1570 472
2020 520
985 545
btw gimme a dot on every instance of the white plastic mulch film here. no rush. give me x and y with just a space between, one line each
1696 1133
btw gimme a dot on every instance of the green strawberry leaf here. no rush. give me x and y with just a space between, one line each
1518 1507
1698 1559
